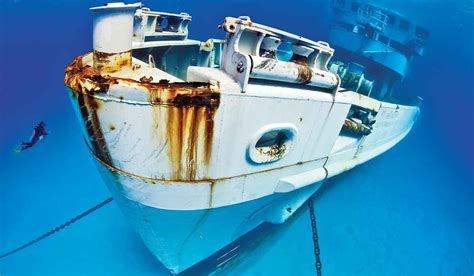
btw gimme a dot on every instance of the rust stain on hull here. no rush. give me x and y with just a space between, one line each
88 107
190 130
110 63
304 74
188 110
86 80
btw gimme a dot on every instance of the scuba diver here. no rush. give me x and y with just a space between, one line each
39 133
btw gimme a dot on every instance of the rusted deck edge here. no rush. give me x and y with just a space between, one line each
190 111
84 79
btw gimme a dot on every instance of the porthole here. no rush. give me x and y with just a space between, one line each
272 143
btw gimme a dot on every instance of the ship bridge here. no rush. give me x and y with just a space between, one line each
374 46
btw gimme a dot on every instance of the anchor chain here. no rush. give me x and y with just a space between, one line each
315 236
59 228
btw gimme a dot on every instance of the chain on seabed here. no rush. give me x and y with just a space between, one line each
108 200
315 236
59 228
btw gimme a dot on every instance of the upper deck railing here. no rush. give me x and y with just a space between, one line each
392 28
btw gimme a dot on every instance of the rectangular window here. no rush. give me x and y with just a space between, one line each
391 19
397 45
383 39
375 36
404 24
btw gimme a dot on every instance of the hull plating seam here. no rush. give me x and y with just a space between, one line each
153 180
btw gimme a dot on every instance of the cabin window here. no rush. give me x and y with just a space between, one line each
383 39
272 143
404 24
391 19
397 45
271 138
370 33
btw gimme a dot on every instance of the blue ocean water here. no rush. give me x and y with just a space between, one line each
407 212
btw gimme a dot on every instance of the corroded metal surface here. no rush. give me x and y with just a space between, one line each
188 110
111 63
85 79
292 72
304 74
356 128
274 152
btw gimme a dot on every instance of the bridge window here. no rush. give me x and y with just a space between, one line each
404 24
391 19
397 45
383 39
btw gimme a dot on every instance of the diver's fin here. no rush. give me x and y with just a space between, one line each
18 149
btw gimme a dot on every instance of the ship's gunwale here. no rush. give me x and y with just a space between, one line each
84 79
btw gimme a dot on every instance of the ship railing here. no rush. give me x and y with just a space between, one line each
375 18
156 26
255 51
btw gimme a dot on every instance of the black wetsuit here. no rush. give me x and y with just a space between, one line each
39 133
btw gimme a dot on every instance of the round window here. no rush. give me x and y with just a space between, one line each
272 144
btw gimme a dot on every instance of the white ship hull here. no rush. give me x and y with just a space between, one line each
206 240
190 225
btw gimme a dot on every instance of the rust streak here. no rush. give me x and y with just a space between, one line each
209 132
186 108
192 143
190 132
110 63
86 80
89 107
304 74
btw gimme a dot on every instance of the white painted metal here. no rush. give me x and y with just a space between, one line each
165 26
272 69
245 40
363 101
180 239
138 143
258 154
113 27
271 43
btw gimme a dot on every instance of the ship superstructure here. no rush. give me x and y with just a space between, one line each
374 47
202 144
